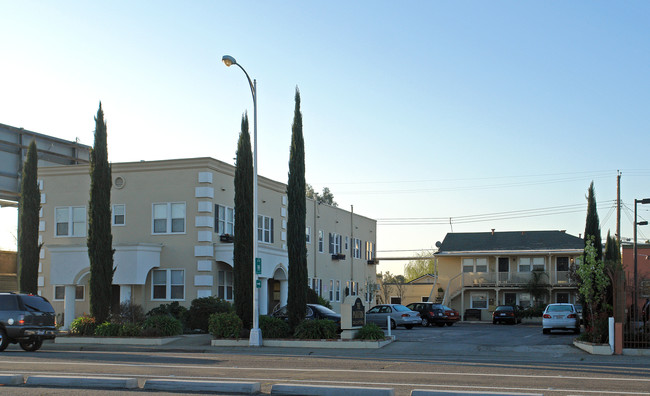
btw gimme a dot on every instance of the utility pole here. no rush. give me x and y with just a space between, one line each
618 208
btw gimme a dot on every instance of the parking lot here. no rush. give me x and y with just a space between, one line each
468 338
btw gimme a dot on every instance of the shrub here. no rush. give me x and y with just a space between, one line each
129 313
174 309
274 327
108 329
370 331
202 308
83 325
161 326
225 325
316 329
313 298
130 330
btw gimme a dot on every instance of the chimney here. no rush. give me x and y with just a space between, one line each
493 231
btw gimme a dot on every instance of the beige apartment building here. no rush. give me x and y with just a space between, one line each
173 227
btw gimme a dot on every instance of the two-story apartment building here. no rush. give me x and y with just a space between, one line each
173 228
484 269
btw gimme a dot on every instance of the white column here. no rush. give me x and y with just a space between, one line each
69 309
284 292
125 294
264 297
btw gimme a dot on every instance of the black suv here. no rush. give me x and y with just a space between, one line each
434 313
25 319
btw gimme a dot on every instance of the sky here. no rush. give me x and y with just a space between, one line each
428 116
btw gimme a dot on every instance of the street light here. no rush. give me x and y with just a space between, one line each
256 334
636 282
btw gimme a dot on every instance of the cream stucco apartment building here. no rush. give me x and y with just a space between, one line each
173 223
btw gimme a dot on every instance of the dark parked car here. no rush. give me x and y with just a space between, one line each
506 314
25 319
433 313
314 311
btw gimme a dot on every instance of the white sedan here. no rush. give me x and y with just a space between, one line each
560 317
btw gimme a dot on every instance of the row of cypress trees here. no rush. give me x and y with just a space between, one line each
100 239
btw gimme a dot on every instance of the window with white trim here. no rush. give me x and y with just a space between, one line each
224 285
264 229
168 284
475 265
335 241
224 220
524 299
331 290
320 241
118 214
79 294
479 300
370 251
347 244
527 264
168 218
356 253
70 221
308 234
338 290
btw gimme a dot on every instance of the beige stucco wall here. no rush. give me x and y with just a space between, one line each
146 183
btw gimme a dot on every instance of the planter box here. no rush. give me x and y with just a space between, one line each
115 340
352 344
594 349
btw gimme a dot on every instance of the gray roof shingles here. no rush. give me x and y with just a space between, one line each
509 241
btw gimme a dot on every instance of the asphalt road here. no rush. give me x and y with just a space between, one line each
464 357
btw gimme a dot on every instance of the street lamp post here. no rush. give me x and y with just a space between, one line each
636 281
256 334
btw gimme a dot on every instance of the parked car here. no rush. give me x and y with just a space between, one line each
433 313
399 316
25 319
314 311
506 314
560 317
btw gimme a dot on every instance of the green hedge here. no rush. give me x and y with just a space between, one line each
317 329
161 326
274 327
83 325
225 325
201 309
108 329
370 331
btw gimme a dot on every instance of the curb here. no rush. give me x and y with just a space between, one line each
333 344
315 390
82 382
115 340
245 388
13 379
422 392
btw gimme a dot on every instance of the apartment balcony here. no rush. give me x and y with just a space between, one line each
513 279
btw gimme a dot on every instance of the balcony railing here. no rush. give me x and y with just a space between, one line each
477 279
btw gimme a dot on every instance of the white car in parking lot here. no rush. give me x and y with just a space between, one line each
560 317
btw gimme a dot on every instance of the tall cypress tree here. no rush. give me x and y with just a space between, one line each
29 205
297 207
243 249
100 239
592 226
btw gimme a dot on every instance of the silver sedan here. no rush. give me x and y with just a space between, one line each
399 316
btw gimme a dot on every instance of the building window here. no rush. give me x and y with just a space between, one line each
264 229
331 290
316 285
335 243
308 234
169 218
475 265
347 244
224 285
370 251
59 293
119 215
357 248
338 290
562 264
320 241
527 264
524 299
168 284
224 220
479 300
71 221
395 300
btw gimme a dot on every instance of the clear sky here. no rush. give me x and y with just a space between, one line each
414 112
